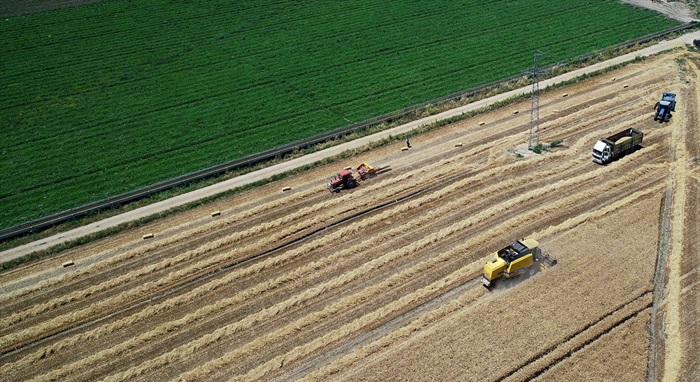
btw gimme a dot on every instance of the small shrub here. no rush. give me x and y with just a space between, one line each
537 149
556 143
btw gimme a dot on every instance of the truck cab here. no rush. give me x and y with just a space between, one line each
601 153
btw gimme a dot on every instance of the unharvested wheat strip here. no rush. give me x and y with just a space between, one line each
218 334
257 268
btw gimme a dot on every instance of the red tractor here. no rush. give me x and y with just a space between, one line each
342 181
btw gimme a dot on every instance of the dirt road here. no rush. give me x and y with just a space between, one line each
381 282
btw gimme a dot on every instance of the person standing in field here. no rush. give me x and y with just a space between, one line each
408 142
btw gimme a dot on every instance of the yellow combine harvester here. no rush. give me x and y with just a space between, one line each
516 259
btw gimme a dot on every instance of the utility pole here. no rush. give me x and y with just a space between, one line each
534 138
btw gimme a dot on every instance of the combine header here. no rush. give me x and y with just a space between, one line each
345 179
523 256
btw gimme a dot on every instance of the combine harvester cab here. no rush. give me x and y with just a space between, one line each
616 146
665 107
523 256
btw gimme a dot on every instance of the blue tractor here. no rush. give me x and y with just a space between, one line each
665 107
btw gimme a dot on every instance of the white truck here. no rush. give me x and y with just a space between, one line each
617 145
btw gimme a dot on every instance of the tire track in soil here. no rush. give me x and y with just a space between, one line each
540 363
656 339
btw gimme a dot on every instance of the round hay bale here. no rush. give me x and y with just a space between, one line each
68 263
482 123
215 213
565 95
148 236
286 189
460 144
516 112
404 149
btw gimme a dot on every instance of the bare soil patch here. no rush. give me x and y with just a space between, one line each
678 10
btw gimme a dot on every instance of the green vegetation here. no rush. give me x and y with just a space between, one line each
537 149
556 143
105 98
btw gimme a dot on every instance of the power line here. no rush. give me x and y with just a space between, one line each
534 137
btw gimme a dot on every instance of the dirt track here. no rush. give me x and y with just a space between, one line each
391 293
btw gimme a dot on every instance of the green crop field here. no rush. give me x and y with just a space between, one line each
105 98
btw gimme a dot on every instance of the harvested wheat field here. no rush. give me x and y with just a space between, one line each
381 282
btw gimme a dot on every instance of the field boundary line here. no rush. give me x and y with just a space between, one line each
656 337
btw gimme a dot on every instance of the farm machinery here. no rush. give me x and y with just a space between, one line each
345 179
616 146
665 107
519 258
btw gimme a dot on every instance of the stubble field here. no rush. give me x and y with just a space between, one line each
381 282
